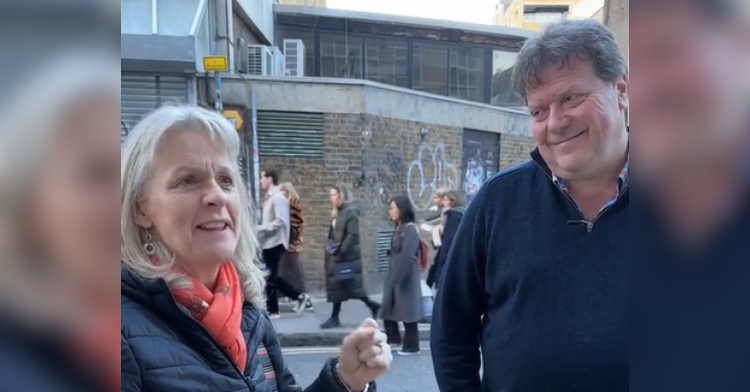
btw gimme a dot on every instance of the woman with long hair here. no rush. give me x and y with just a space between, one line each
343 258
402 292
290 267
192 293
452 206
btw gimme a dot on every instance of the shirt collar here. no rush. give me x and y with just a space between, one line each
623 179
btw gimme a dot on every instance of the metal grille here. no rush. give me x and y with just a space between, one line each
290 134
140 94
384 243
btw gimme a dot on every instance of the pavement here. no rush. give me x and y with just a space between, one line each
407 374
304 330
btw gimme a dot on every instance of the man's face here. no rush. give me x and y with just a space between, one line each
688 86
265 182
578 119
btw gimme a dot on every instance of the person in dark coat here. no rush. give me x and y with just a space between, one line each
192 292
402 294
452 204
343 239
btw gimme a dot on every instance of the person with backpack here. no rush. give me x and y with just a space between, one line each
452 204
402 293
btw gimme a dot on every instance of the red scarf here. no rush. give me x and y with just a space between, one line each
220 312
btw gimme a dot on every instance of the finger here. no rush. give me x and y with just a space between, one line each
381 363
370 353
369 322
361 338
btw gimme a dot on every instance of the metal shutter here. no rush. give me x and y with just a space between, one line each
290 134
140 94
384 244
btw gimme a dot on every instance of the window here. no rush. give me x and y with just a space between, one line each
503 93
175 17
340 56
135 17
467 74
386 62
430 68
308 39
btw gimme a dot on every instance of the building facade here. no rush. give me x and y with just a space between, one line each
308 3
531 14
458 60
385 105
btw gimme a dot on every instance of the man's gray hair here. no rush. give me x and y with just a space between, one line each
562 42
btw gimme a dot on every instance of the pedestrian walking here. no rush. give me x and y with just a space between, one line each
192 292
452 207
290 267
273 234
402 292
535 286
343 258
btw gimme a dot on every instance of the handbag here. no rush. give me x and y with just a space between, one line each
332 248
347 270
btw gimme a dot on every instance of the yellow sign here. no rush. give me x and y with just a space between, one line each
215 64
235 117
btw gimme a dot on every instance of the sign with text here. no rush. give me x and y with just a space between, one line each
215 64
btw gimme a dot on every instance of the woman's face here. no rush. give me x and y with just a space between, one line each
394 213
191 203
74 207
335 198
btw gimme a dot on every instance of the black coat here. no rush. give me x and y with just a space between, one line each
165 349
345 232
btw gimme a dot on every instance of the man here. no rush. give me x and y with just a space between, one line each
537 274
691 116
273 235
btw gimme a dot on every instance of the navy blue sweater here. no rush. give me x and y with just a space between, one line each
543 295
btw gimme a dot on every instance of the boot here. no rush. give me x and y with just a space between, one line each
332 322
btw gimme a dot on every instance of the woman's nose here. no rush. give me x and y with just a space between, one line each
215 196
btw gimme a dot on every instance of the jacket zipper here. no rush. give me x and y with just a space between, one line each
246 379
589 223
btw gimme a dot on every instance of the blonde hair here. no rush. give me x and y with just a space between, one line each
137 162
343 198
288 188
456 197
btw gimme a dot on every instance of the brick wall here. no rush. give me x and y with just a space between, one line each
376 158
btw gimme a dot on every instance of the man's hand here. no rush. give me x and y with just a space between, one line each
364 356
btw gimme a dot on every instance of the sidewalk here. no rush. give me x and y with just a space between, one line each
303 330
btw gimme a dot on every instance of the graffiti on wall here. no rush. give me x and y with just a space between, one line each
428 172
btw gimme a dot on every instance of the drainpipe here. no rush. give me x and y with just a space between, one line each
230 34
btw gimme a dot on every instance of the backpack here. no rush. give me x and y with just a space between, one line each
423 254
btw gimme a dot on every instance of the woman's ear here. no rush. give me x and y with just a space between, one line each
141 218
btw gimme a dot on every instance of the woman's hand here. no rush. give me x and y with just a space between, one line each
364 356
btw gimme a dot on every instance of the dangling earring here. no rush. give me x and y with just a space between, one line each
149 245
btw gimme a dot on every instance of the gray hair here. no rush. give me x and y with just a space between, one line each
562 42
137 162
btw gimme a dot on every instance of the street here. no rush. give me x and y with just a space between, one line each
407 374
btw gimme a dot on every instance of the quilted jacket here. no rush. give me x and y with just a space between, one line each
165 349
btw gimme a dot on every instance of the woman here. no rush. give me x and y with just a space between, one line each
58 229
453 211
402 294
290 268
192 293
343 258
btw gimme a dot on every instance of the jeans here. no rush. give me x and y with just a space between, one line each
274 284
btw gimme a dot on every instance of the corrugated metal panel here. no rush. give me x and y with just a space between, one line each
384 243
141 94
290 134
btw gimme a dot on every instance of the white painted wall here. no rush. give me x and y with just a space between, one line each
261 15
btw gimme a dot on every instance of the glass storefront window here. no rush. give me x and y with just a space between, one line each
386 61
466 74
340 56
503 93
430 68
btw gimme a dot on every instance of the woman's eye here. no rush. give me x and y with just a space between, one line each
227 181
188 181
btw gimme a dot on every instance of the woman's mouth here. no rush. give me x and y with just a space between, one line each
213 226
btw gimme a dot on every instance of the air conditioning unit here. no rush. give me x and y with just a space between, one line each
259 60
278 62
294 55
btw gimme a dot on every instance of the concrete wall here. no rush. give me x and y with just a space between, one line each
374 146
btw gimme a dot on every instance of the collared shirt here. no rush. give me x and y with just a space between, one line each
623 181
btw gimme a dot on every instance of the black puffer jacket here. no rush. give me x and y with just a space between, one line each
165 349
